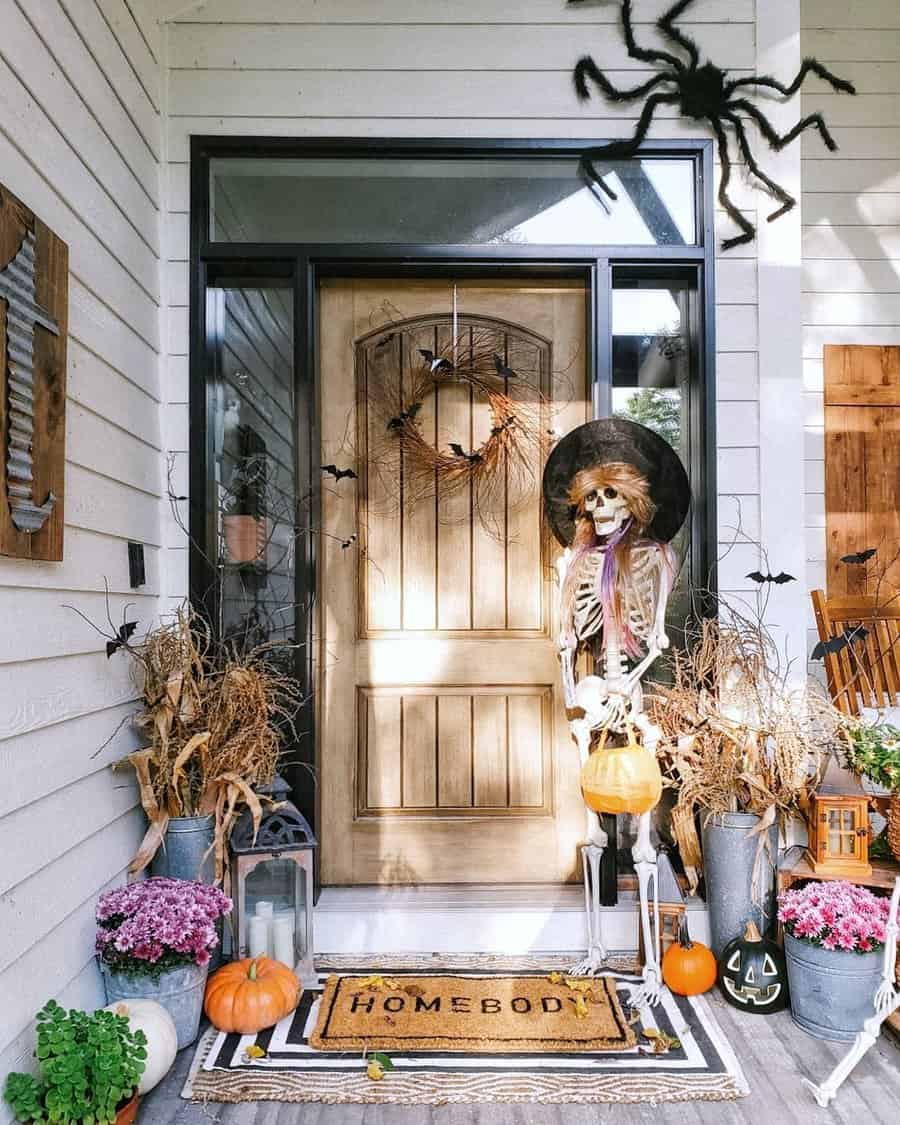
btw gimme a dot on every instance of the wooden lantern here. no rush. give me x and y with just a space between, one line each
839 826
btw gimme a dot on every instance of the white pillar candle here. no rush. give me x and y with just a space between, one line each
258 936
283 929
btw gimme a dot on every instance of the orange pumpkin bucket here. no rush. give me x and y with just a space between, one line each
621 779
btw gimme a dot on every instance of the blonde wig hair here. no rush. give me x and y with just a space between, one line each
631 484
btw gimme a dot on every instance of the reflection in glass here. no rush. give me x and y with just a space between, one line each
528 200
254 442
652 357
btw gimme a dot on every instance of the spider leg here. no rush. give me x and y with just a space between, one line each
645 54
665 25
586 69
622 150
776 140
810 66
747 228
787 200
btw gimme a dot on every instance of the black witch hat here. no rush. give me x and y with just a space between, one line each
616 439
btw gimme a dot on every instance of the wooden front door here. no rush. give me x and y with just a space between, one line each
443 746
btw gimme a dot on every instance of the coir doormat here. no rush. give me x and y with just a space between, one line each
282 1064
490 1014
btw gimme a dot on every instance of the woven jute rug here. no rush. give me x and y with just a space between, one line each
291 1068
489 1014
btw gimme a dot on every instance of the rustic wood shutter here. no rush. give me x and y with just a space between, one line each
862 463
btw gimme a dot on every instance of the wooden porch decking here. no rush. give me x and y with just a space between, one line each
773 1051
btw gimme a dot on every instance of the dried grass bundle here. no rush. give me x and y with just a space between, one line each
738 736
215 721
502 469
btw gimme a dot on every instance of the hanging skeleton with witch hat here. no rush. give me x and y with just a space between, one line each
615 494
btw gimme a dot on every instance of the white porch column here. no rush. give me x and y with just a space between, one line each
780 341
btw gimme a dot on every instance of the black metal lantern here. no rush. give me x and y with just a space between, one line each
273 885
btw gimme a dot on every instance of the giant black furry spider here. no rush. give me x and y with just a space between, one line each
703 92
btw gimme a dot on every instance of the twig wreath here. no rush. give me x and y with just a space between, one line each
703 93
500 472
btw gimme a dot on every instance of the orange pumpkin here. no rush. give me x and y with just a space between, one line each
247 996
688 967
621 779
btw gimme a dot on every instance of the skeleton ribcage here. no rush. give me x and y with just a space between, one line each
640 593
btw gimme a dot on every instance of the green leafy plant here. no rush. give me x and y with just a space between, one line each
875 752
90 1064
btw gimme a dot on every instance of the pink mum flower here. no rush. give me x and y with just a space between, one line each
835 916
159 924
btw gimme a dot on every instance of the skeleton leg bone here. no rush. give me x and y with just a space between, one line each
648 884
825 1092
591 855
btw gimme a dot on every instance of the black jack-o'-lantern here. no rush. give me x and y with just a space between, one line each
753 974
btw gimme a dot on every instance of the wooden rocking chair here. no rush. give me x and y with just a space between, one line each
863 678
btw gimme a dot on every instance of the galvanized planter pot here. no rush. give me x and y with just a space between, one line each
729 854
180 991
188 840
832 991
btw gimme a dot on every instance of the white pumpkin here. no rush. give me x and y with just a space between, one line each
162 1039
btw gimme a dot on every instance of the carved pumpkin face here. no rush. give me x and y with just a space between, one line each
753 974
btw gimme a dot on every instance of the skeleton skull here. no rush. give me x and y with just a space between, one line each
608 508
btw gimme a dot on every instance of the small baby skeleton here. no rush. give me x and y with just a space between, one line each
885 1002
615 576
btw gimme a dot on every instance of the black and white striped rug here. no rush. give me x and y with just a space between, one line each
702 1068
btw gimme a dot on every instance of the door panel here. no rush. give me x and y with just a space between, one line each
444 750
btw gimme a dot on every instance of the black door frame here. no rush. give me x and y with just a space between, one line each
302 265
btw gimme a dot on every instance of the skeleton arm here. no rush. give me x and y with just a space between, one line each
566 651
886 997
658 640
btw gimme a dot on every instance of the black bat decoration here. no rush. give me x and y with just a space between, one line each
472 458
506 424
345 543
701 91
338 474
436 363
860 556
404 416
850 635
778 579
123 634
503 369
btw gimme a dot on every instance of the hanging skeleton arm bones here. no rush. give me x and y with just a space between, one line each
603 488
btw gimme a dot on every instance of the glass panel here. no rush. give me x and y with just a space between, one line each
528 200
274 912
254 438
653 352
847 820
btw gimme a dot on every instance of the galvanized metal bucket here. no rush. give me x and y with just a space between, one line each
180 991
832 991
186 851
729 856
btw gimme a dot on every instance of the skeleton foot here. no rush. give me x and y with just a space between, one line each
823 1097
650 992
590 966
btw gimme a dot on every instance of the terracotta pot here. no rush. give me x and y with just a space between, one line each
127 1114
242 538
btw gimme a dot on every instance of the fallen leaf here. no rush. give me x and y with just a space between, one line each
556 978
650 1033
374 1071
413 990
578 984
581 1008
383 1060
378 983
254 1051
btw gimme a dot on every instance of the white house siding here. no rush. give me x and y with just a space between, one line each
80 143
851 214
462 69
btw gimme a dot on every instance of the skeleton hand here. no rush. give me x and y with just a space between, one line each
886 999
